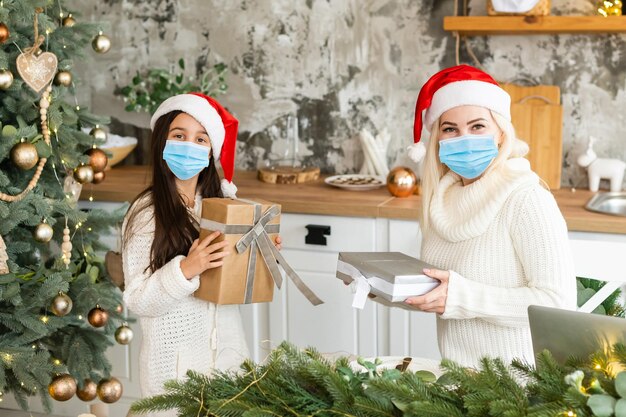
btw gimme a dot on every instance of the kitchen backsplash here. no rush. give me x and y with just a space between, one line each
344 65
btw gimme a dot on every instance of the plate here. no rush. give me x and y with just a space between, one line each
355 182
390 362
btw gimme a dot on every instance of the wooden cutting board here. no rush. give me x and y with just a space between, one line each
537 116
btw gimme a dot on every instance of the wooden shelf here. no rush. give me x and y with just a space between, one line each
533 25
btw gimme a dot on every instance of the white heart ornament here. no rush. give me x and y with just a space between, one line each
37 71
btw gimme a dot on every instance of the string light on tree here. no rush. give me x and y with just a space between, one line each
608 8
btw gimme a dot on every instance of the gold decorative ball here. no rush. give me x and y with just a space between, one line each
83 174
62 387
68 21
110 390
88 392
6 79
43 233
98 133
61 305
97 159
123 334
4 32
63 78
24 155
98 317
101 43
98 177
401 182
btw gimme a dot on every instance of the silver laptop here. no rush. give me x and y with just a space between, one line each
568 333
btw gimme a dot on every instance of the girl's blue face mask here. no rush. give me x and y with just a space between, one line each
468 155
185 159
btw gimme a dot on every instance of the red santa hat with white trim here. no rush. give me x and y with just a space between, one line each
220 125
461 85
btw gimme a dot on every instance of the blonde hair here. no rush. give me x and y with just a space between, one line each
433 170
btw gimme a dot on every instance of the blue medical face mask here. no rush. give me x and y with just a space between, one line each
185 159
468 155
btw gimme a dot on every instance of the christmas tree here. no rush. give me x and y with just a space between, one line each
58 308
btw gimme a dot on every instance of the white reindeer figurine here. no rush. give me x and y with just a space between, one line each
599 168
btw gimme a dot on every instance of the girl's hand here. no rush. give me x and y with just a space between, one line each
433 301
278 243
203 255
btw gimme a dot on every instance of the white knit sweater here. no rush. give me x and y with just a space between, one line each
506 242
179 332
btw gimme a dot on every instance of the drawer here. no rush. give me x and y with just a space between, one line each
354 234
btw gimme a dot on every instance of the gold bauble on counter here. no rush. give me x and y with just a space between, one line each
63 78
6 79
110 390
88 392
401 182
24 155
62 387
83 174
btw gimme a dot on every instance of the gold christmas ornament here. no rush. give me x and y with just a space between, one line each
110 390
24 155
83 174
62 387
61 305
401 182
101 43
68 21
63 78
43 232
98 133
88 392
97 159
98 317
98 177
6 79
4 32
123 334
66 246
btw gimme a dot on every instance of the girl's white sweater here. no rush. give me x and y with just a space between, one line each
178 331
506 242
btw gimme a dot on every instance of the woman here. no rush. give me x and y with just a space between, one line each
488 222
162 255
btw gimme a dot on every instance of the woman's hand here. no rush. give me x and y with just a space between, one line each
203 255
433 301
278 243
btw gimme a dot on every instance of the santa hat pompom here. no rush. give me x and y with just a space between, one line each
416 151
229 190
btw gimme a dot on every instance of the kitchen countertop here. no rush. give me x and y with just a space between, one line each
124 183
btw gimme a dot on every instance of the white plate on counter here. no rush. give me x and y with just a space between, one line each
355 182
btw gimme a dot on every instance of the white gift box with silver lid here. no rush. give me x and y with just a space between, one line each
393 276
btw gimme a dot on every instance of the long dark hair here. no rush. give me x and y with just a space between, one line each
174 229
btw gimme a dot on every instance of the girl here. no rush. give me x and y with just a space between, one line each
162 256
497 234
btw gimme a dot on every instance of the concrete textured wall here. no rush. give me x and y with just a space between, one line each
344 65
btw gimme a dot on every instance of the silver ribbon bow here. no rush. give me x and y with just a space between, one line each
256 237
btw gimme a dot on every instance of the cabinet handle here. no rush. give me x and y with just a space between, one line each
316 234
